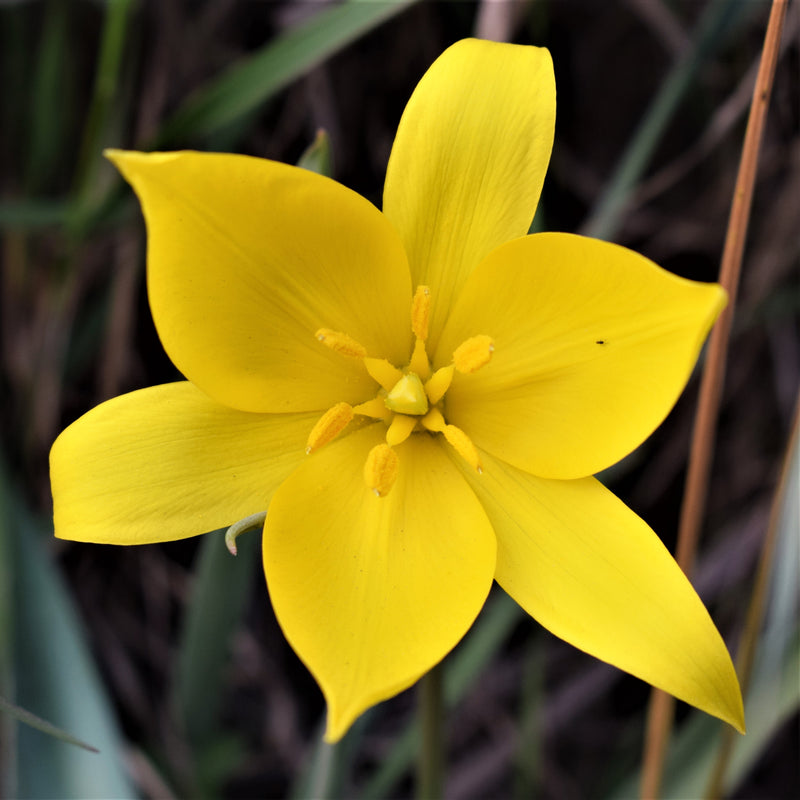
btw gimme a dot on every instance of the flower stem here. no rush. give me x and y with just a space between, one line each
430 763
660 715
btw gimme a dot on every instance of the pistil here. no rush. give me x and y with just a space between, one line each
409 400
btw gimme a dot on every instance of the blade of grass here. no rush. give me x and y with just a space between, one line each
22 715
252 81
470 658
773 699
106 81
48 117
220 591
784 517
662 705
719 19
55 677
33 214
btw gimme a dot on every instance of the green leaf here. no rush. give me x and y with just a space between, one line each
42 725
718 21
49 97
54 677
462 668
252 81
220 591
32 214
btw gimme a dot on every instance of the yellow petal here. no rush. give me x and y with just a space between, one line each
593 344
593 573
371 591
248 259
165 463
469 161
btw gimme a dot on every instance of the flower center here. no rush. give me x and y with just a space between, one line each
410 400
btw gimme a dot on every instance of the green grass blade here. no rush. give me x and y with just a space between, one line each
220 591
42 725
249 83
106 82
54 677
33 214
48 120
469 660
719 19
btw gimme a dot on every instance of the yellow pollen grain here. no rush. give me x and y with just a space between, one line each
463 445
381 469
400 429
329 426
473 354
439 383
383 372
341 343
421 312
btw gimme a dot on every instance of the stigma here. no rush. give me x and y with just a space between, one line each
410 400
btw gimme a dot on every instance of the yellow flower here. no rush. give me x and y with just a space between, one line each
455 382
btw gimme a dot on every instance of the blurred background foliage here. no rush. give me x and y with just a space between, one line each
168 658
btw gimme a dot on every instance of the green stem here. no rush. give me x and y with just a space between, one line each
430 765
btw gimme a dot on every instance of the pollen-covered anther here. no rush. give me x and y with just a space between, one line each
474 353
341 343
463 445
421 312
329 426
381 469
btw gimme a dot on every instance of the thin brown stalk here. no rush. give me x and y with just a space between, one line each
660 715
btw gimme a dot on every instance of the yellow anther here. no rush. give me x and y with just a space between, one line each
407 396
341 343
439 383
374 408
434 421
421 312
463 445
329 426
381 468
400 429
383 372
419 363
473 354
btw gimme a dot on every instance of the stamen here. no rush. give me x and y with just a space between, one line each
439 383
434 421
421 312
400 429
381 468
473 354
463 445
383 372
407 396
419 363
329 426
374 408
341 343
